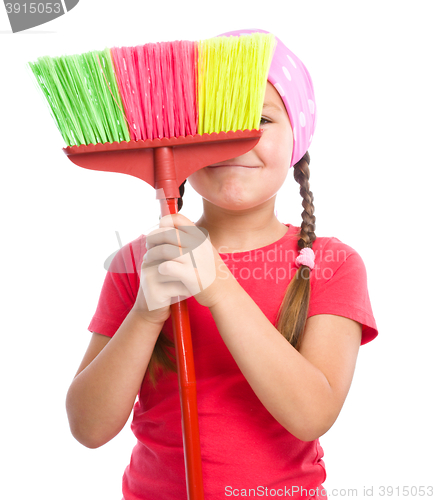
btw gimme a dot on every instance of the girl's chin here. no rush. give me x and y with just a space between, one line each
235 204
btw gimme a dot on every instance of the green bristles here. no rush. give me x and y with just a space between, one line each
79 97
232 77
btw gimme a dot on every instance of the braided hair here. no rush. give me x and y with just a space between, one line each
292 314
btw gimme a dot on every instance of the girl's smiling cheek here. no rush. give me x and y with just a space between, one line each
231 184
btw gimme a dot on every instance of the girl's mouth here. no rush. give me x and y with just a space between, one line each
240 166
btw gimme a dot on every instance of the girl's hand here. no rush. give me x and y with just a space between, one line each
157 313
180 262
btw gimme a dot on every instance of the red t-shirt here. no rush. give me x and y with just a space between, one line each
242 446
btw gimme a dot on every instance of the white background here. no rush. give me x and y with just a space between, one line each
372 177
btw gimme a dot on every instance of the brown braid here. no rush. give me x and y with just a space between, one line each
302 175
292 314
180 199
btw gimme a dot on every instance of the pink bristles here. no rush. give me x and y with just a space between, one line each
188 66
157 82
123 60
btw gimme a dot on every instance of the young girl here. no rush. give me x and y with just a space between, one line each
275 333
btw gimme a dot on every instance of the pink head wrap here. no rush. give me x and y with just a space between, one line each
293 82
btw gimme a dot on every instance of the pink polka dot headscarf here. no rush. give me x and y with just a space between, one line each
293 82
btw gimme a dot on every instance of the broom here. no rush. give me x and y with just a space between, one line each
160 112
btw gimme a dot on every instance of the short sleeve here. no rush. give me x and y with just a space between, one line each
119 290
340 286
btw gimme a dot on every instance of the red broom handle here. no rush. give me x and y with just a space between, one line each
187 385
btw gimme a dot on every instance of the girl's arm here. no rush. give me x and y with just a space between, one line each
304 391
103 392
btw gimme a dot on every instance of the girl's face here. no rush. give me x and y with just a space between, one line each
252 179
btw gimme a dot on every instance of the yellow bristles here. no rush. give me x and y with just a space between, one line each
232 77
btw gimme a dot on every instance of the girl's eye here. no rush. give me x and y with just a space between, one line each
264 120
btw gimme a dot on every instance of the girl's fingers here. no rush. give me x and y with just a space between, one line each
173 236
170 264
163 252
158 237
162 272
183 271
164 294
176 230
